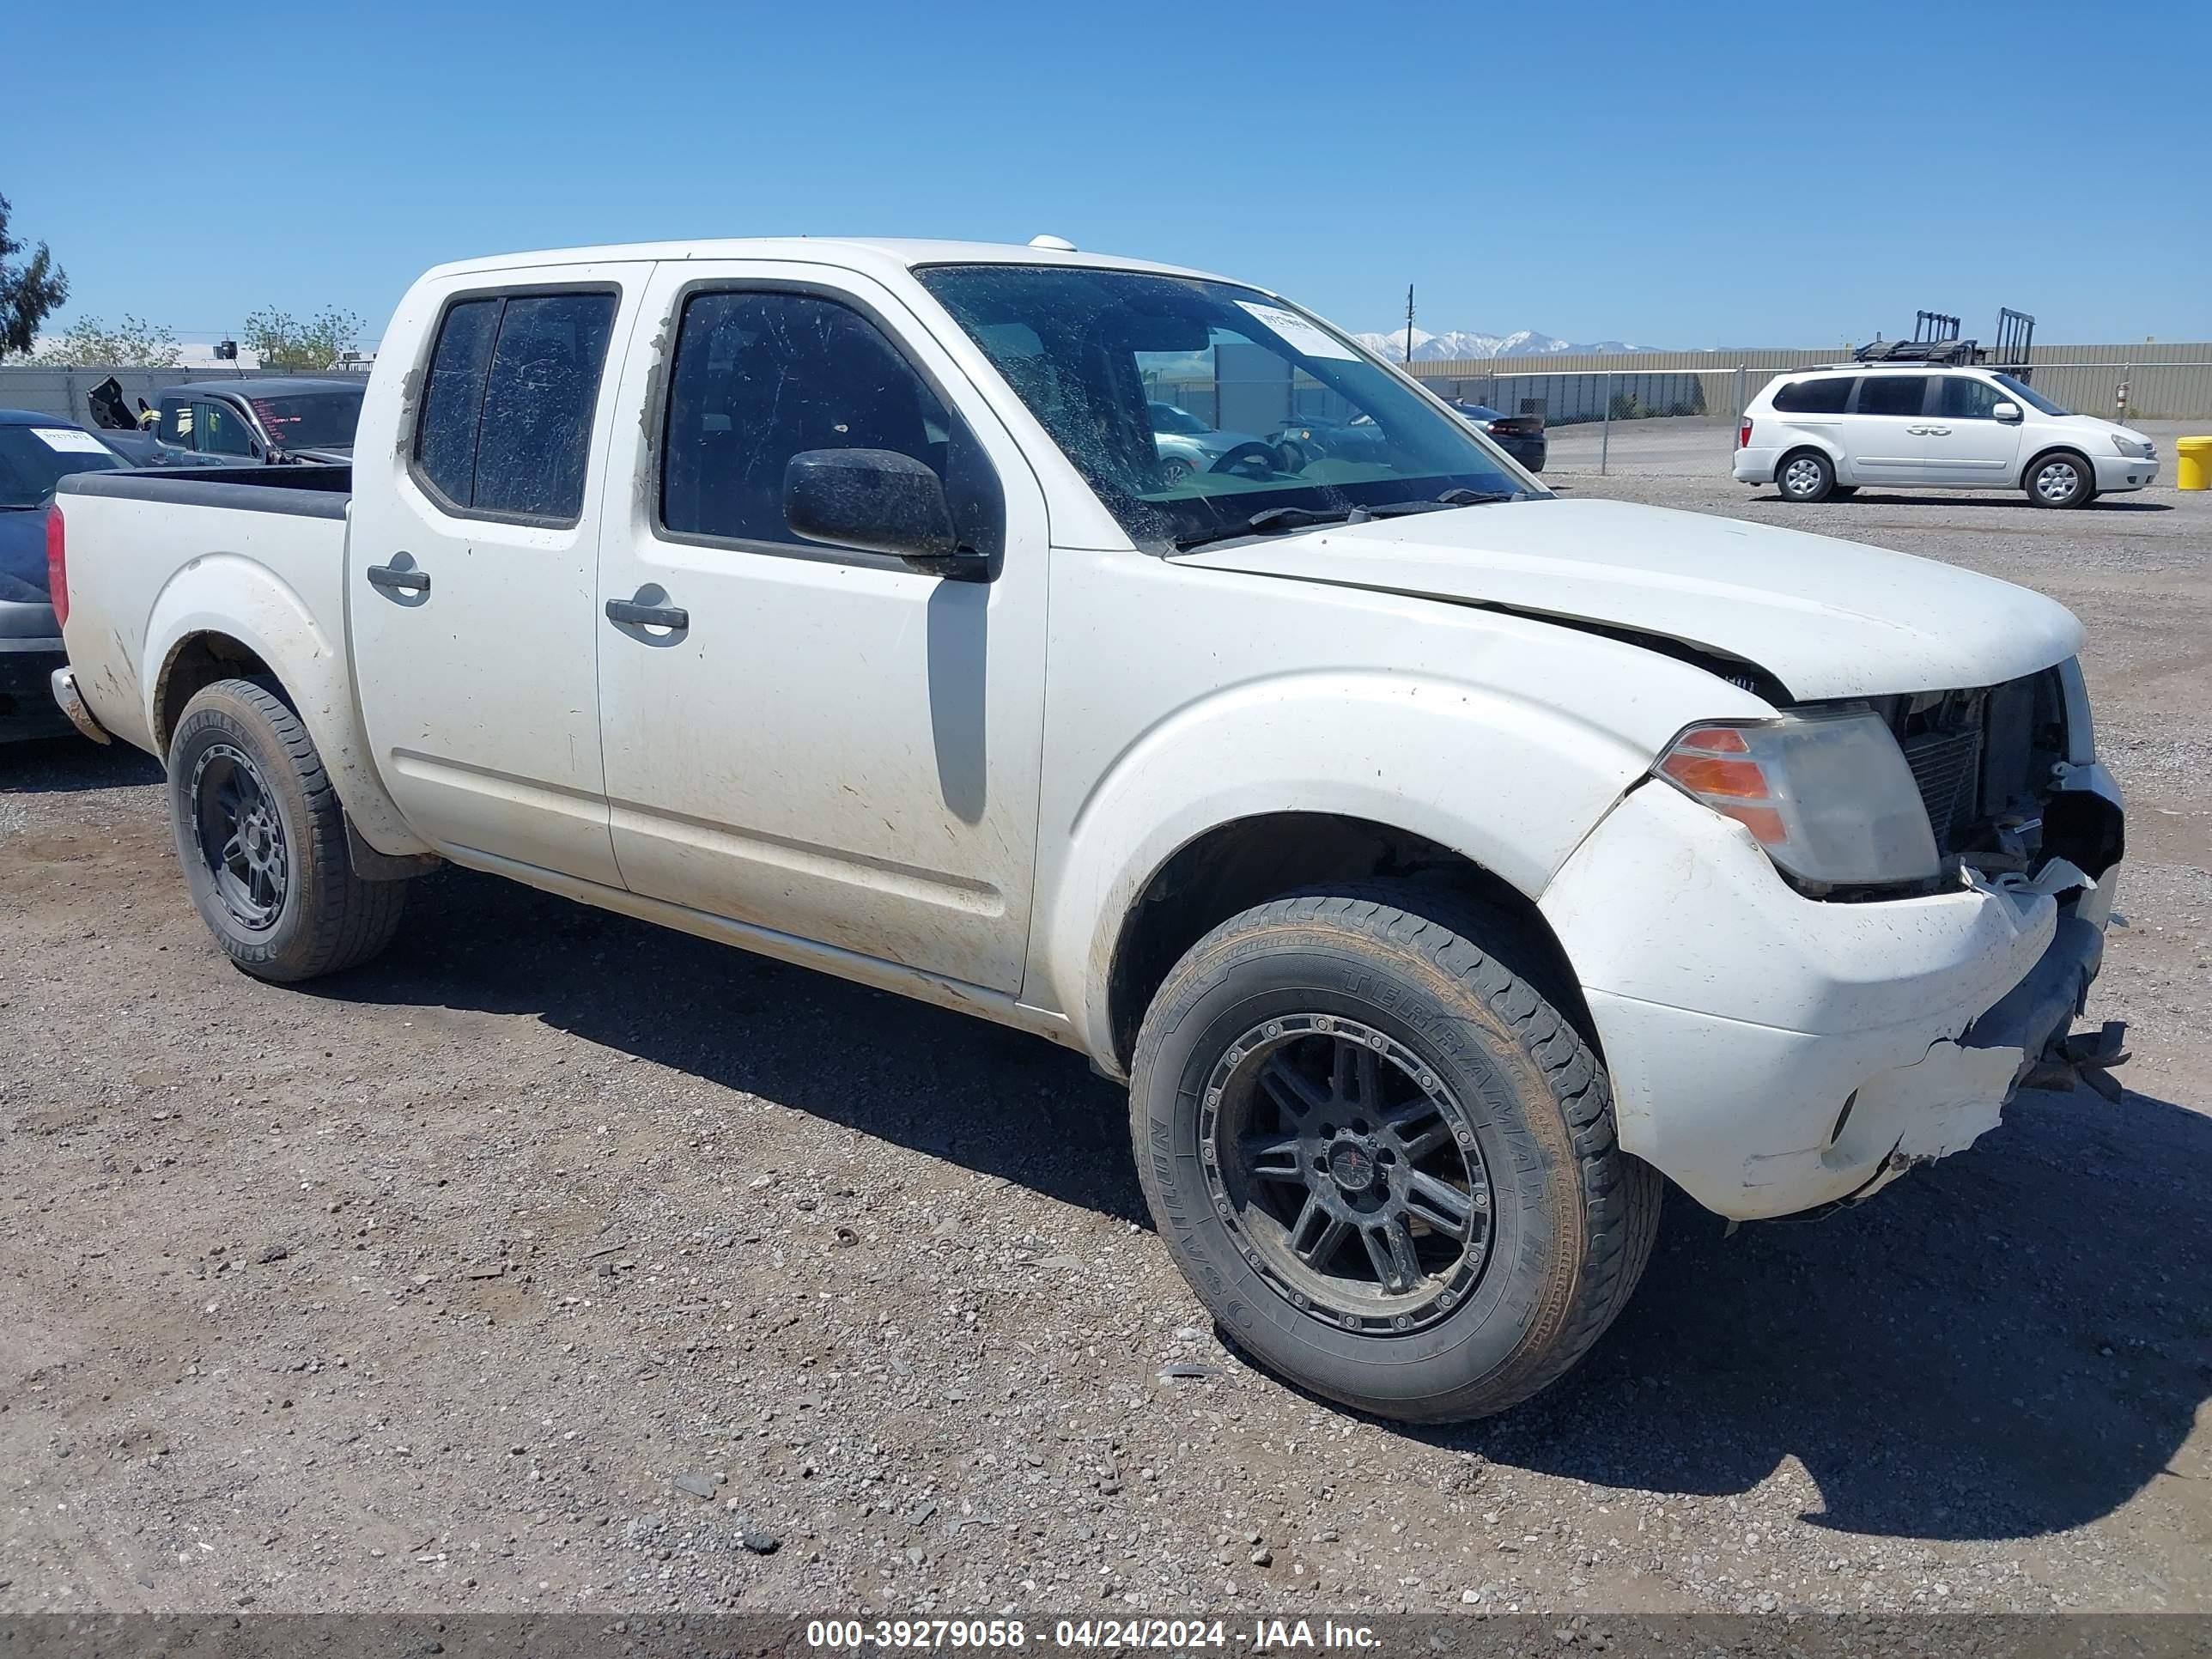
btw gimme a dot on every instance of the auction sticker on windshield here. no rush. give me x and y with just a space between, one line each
69 439
1298 334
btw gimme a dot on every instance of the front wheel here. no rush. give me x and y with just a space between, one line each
261 837
2061 480
1384 1160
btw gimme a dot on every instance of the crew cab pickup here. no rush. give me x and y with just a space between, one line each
1443 862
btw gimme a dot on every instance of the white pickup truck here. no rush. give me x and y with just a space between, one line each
1441 861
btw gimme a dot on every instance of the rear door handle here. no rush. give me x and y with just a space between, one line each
397 580
648 616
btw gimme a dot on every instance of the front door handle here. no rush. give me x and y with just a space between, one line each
397 580
648 616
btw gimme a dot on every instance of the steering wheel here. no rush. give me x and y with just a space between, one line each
1250 460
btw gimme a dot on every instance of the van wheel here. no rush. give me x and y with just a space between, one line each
261 837
2061 478
1805 475
1381 1157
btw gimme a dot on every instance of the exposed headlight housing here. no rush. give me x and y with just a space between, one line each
1828 795
2140 449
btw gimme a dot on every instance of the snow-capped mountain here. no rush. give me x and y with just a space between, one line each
1458 342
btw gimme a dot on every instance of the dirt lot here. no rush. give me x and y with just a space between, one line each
553 1262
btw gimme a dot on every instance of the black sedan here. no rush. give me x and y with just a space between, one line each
1521 436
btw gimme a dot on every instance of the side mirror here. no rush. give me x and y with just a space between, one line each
2008 412
879 502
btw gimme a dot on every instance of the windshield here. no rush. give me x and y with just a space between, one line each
1323 428
311 420
34 459
2028 395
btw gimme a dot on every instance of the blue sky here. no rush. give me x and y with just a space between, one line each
1686 175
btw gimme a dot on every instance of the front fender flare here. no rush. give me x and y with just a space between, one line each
1511 784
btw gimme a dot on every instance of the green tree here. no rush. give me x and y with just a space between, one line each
28 291
131 343
281 341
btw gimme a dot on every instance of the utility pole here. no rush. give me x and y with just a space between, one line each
1409 327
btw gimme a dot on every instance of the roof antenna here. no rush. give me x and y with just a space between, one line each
1058 244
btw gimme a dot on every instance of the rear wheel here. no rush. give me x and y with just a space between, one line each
2061 479
261 837
1806 475
1382 1158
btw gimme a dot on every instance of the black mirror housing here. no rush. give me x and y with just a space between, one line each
878 501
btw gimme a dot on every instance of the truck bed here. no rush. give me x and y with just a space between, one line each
255 553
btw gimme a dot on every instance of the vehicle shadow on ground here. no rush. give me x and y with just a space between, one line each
45 766
1871 496
2010 1343
993 1100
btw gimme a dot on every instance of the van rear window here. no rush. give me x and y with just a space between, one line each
1826 396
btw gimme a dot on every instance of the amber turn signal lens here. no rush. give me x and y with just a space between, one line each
1710 774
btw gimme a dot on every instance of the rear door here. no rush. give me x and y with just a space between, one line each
1966 443
827 744
1878 431
471 569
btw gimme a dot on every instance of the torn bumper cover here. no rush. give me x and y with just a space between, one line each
1772 1056
1949 1100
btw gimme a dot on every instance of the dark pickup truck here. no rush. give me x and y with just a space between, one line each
279 419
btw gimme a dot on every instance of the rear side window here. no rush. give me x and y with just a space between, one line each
506 427
1826 396
1892 394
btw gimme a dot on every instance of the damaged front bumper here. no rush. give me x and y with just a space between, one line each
1773 1055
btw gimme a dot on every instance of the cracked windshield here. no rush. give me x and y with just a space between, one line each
1200 410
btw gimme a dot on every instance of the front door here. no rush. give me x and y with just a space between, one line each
472 574
1967 443
817 740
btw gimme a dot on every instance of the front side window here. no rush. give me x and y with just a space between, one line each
1962 397
2028 394
505 428
222 430
1892 394
761 376
1096 355
1826 396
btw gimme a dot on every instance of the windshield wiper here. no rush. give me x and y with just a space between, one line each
1450 498
1272 519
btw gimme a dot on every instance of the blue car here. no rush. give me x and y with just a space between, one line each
36 452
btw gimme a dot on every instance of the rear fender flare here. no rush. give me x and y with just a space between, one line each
239 597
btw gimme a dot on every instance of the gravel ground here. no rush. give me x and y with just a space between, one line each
553 1262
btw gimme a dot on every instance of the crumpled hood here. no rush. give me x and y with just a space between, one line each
1827 618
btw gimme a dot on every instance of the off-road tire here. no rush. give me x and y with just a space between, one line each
1573 1216
327 918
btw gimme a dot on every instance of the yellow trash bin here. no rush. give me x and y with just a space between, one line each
2192 466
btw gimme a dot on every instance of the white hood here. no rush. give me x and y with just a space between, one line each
1827 618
